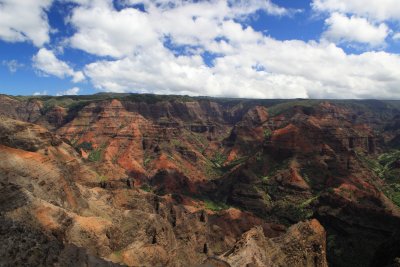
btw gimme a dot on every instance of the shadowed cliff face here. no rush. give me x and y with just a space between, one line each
178 181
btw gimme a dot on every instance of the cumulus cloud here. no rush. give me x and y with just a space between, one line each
355 29
72 91
376 10
22 20
104 31
47 63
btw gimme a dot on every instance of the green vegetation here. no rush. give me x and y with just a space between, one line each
392 191
308 202
306 178
215 167
118 254
147 160
287 105
304 209
212 172
146 187
164 120
267 134
386 166
96 154
275 106
264 186
234 163
152 98
292 212
381 109
218 159
175 142
74 108
387 169
265 179
199 139
102 178
259 157
85 146
263 191
72 103
215 206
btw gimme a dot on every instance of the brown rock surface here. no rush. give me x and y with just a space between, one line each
302 245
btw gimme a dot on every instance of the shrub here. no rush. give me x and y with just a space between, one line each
292 212
267 134
85 146
146 187
95 155
103 178
214 206
265 178
218 159
147 161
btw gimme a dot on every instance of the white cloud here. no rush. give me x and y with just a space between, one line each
373 9
396 36
292 69
248 63
354 29
238 7
12 65
104 31
46 62
22 20
78 76
40 93
72 91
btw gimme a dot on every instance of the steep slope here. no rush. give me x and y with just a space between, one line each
52 201
313 164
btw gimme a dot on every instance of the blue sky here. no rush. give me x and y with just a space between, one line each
256 48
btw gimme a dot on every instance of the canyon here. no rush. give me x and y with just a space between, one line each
149 180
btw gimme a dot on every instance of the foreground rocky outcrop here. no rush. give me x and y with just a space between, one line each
174 181
302 245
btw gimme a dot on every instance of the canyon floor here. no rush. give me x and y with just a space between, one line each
147 180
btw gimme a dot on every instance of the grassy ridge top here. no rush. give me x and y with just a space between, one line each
276 106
